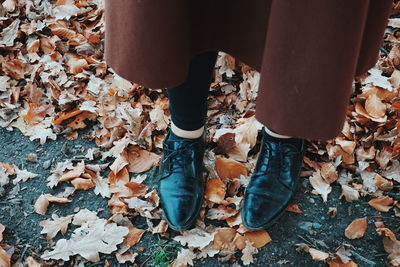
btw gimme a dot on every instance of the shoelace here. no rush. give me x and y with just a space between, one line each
177 156
281 152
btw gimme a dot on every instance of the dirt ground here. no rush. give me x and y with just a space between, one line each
314 226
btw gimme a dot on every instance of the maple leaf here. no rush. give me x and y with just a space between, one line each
51 228
88 241
248 252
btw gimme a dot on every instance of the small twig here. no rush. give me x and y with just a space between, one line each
141 265
307 241
358 256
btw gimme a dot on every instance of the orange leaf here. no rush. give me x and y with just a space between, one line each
68 115
215 190
356 229
134 236
138 190
337 263
294 208
82 183
381 203
382 183
229 169
5 259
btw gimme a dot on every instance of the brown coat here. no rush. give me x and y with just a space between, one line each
307 51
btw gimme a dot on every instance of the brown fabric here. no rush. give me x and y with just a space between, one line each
307 52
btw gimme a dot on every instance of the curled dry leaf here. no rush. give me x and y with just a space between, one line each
382 183
43 200
391 245
82 183
356 229
382 203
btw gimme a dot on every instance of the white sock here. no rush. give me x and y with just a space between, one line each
275 134
187 134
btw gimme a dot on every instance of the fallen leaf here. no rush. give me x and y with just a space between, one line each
356 229
381 203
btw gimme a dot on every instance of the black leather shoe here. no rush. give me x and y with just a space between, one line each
180 180
273 183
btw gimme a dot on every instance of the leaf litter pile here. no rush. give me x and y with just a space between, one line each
54 81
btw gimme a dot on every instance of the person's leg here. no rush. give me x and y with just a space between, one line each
181 183
303 93
188 101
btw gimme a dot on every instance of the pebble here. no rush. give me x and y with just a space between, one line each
311 200
307 226
32 157
47 164
316 225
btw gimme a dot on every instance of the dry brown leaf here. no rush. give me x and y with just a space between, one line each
349 193
248 252
381 203
375 107
32 262
229 169
82 183
328 172
140 160
293 208
320 186
74 173
223 239
382 183
2 228
52 227
318 255
356 229
134 236
391 245
259 238
5 259
43 200
215 191
221 213
338 263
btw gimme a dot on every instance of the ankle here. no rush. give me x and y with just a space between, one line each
186 134
274 133
274 137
